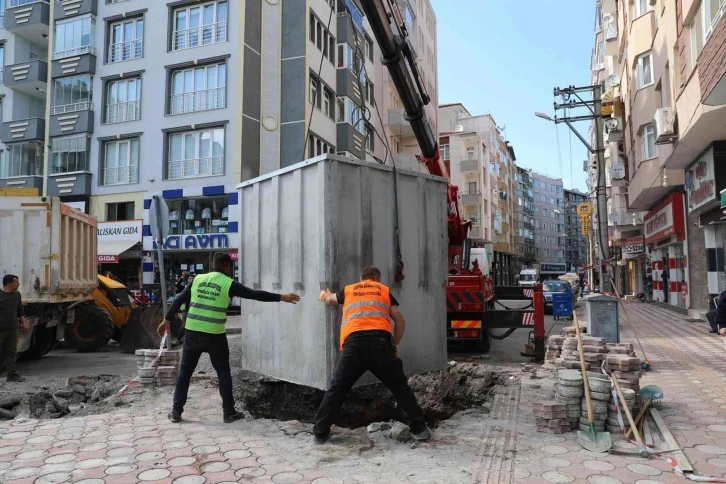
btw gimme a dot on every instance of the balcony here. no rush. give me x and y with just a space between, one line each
123 51
73 8
397 123
191 102
199 36
71 119
29 19
640 38
69 184
350 139
22 130
471 198
30 181
27 77
120 175
646 187
122 112
469 165
193 168
82 63
346 83
74 51
476 233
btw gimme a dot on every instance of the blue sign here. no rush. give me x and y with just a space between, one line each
196 242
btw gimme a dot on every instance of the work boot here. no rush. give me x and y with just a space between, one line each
232 417
423 435
15 378
174 417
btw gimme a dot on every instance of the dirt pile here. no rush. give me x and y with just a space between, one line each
440 393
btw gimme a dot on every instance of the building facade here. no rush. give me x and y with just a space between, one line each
666 101
109 102
525 218
550 236
577 245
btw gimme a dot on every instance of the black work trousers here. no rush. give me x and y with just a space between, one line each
196 343
9 349
374 351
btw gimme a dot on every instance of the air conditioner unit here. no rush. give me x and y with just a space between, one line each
664 124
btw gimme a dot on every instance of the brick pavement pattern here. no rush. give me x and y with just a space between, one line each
136 445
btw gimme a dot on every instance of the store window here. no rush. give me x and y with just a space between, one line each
120 211
207 215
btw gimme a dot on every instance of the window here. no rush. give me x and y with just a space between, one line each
199 24
196 153
314 91
598 18
370 92
640 7
341 110
72 94
470 153
123 101
355 117
2 55
208 215
644 74
370 138
472 189
22 159
600 55
201 88
70 154
74 37
355 14
713 11
318 146
322 38
444 152
351 61
121 162
696 31
126 40
327 104
650 150
369 48
120 211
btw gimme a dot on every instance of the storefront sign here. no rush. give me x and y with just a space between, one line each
633 246
196 242
665 220
120 231
108 259
550 268
701 182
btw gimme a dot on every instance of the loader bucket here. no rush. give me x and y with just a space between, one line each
140 330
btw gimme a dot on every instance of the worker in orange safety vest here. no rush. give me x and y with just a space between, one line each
371 330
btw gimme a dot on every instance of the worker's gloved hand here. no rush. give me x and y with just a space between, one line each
291 298
324 294
163 327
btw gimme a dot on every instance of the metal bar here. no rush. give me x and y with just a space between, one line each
577 133
574 119
572 105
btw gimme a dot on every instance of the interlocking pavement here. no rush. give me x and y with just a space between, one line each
139 444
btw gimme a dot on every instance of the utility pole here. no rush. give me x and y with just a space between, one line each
572 100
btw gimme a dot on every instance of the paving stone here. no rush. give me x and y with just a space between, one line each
120 451
215 466
237 454
90 463
154 475
60 458
556 462
120 469
287 478
190 480
644 469
555 476
250 472
710 449
598 465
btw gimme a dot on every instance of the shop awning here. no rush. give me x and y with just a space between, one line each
115 247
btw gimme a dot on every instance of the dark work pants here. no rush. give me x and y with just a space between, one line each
9 349
374 351
711 316
196 343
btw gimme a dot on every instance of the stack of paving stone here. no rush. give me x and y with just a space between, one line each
569 357
613 425
595 351
551 417
147 376
621 348
599 395
554 348
166 375
161 371
627 370
569 390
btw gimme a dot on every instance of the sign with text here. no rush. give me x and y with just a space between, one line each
196 242
108 259
633 247
666 219
549 268
120 231
701 182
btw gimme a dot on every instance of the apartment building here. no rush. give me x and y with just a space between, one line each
525 217
577 245
420 21
500 158
665 76
108 102
550 236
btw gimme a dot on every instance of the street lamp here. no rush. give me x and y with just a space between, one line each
543 116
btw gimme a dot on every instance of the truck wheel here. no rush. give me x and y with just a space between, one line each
42 343
117 334
91 330
484 344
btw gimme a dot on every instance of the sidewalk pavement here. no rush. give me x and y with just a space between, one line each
133 445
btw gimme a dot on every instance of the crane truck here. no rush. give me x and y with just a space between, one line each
470 294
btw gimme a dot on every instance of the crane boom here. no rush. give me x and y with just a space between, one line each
398 56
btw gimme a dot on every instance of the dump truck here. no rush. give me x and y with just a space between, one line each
51 247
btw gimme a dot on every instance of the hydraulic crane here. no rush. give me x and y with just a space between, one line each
469 293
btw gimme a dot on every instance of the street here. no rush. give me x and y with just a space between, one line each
495 443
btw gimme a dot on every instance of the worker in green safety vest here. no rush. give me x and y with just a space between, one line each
208 297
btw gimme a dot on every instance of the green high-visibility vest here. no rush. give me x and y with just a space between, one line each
208 307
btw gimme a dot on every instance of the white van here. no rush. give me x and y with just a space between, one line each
528 277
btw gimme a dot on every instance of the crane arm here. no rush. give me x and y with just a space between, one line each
398 56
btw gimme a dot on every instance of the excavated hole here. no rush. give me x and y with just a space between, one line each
441 394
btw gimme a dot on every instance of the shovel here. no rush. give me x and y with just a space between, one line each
642 450
591 440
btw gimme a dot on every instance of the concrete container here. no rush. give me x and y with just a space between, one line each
313 226
602 317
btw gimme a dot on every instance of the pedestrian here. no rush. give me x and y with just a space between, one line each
12 319
368 342
182 282
719 318
208 297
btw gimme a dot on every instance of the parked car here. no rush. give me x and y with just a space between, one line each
552 287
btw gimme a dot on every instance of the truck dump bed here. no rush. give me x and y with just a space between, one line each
314 226
50 246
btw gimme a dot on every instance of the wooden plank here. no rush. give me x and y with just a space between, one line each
647 432
646 404
670 441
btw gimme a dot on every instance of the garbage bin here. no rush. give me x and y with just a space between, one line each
562 305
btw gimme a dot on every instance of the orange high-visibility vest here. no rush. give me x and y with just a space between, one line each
367 307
